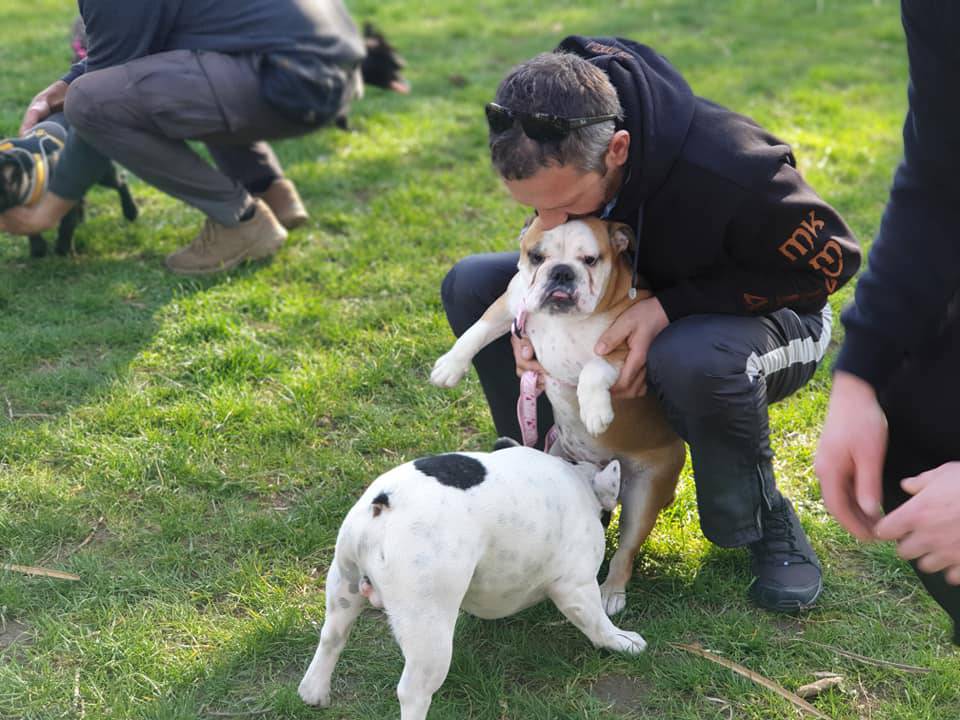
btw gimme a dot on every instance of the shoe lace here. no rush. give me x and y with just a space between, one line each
779 542
202 242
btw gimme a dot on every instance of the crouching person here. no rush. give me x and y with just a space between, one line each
232 75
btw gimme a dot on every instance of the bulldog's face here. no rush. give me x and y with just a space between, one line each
567 269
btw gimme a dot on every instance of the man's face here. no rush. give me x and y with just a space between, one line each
562 192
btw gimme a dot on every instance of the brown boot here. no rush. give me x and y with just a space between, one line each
219 247
284 200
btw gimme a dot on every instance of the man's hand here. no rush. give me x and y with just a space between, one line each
45 215
44 105
927 526
850 456
637 327
525 358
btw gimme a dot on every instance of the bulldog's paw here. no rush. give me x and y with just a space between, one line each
448 370
614 598
596 413
628 642
314 693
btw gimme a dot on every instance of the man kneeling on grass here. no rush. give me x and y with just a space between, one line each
739 251
231 74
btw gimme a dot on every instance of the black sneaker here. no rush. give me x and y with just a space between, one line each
788 576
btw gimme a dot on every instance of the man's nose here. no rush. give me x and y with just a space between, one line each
549 219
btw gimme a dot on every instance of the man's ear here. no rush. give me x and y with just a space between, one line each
618 150
621 237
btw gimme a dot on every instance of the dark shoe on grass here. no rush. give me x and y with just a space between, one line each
788 575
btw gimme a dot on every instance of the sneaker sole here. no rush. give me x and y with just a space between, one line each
259 251
786 605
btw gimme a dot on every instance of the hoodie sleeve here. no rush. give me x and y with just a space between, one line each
119 31
914 272
785 247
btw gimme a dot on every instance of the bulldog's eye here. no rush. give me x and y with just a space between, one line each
535 258
591 260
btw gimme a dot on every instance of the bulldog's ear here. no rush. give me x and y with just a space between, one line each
621 237
526 226
606 484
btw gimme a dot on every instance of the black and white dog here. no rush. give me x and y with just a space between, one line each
26 164
488 533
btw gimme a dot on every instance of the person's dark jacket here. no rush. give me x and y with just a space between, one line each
119 31
725 223
912 288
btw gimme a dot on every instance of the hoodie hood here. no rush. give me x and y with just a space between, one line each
658 107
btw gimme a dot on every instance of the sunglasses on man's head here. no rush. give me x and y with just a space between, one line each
538 126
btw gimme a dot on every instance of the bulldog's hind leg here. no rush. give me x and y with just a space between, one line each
646 489
344 604
581 604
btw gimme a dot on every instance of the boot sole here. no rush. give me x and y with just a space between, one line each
258 251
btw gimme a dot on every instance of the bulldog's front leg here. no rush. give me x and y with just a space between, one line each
593 395
494 323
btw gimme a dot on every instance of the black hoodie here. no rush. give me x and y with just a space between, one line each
725 223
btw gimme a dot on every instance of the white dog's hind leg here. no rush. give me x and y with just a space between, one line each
344 604
581 605
424 631
593 395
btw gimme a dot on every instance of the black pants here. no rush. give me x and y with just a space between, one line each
715 376
922 403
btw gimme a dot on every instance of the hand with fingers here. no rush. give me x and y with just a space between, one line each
849 460
636 328
926 527
44 104
525 358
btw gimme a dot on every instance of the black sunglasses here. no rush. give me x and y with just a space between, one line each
538 126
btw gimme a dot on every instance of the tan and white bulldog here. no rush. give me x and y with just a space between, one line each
572 282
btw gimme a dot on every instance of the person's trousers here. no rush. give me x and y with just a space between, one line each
141 115
922 403
714 375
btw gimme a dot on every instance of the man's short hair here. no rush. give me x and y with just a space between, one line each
564 85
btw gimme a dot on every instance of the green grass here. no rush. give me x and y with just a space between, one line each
223 427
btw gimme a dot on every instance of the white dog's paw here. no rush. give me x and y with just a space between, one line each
596 413
614 599
448 370
628 642
314 693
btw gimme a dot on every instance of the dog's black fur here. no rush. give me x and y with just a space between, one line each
380 68
64 245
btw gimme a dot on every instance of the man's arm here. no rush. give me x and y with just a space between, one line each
786 247
119 31
904 295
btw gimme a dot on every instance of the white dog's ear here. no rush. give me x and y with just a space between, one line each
621 237
606 484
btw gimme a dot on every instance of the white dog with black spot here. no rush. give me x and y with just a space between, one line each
491 533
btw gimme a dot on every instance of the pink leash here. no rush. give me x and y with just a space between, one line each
529 392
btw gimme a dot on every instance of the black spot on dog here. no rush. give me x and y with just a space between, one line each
380 502
453 469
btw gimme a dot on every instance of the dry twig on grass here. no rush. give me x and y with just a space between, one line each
756 677
39 572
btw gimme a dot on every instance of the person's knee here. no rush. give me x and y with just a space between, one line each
83 104
466 292
692 373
